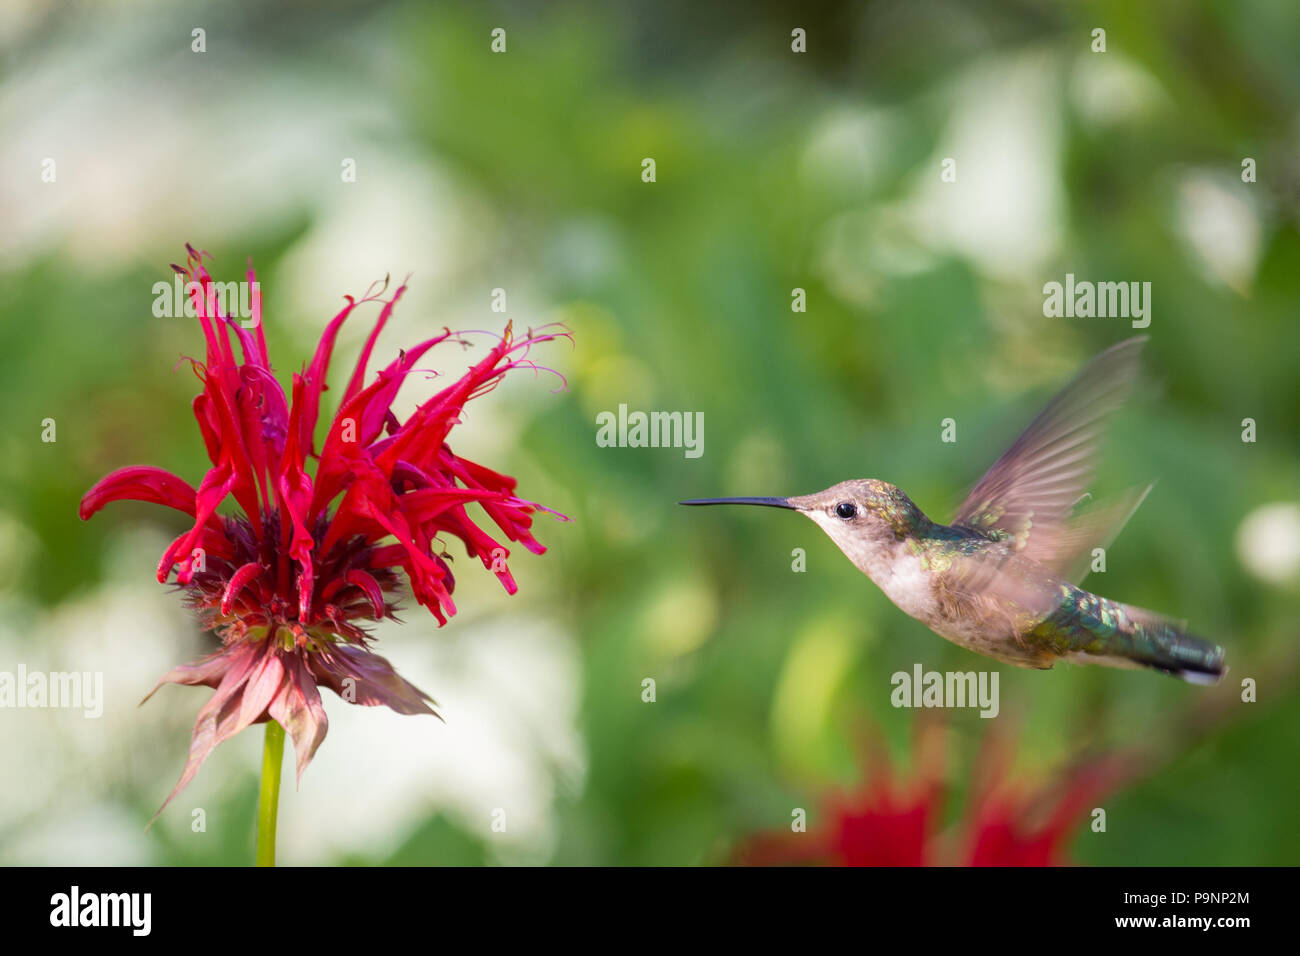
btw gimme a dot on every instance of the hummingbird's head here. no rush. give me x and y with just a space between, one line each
861 516
863 513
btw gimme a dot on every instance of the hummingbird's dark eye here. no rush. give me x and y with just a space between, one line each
846 510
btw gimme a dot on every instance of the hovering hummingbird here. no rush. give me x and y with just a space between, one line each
1002 578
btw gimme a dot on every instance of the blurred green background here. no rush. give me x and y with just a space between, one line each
774 171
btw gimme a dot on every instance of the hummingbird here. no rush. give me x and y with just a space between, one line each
1002 578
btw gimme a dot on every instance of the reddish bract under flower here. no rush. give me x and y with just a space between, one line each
286 583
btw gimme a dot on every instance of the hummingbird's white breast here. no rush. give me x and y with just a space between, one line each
905 579
892 566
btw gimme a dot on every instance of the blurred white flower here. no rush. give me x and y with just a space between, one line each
1268 542
1005 211
509 691
1110 88
847 149
74 769
1217 219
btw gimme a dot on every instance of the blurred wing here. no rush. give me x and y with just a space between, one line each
997 591
1026 497
1072 550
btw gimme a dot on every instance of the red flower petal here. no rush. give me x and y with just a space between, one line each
140 483
238 580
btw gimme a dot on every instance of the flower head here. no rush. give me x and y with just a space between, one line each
313 555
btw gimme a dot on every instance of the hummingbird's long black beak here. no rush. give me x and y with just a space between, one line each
767 502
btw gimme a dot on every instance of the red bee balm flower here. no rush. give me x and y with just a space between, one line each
1006 822
287 584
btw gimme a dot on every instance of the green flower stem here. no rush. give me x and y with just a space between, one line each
269 798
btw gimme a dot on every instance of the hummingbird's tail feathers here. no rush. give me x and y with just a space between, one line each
1163 644
1096 630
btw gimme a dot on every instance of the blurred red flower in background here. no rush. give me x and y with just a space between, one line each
886 822
288 582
